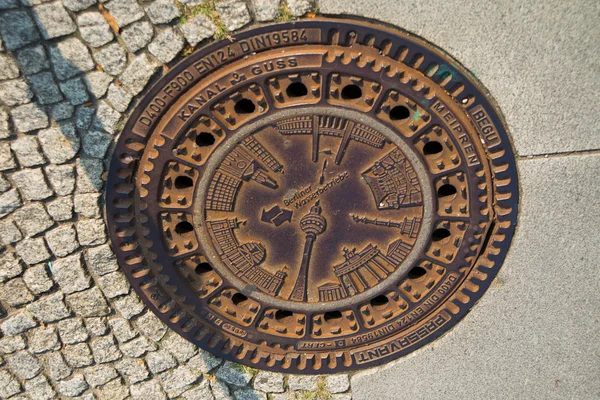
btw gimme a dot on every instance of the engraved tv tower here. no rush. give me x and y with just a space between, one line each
313 224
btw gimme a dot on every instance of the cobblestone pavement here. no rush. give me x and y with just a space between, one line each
71 326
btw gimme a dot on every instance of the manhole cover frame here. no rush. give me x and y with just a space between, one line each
225 343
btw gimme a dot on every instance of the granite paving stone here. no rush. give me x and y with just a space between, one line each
37 279
106 118
101 260
32 219
72 331
94 29
70 57
56 367
137 36
27 150
39 388
5 128
91 232
150 390
31 60
49 308
17 323
234 13
137 347
98 375
15 92
124 11
9 201
87 205
97 83
53 20
89 179
112 58
89 303
97 326
96 143
9 266
166 45
78 5
299 7
160 361
9 233
10 344
7 160
70 273
15 293
234 374
162 11
62 178
74 91
45 88
32 250
29 117
133 369
114 390
78 355
32 184
137 74
24 365
129 306
60 144
9 386
17 29
271 382
61 208
73 386
122 329
197 29
8 67
43 339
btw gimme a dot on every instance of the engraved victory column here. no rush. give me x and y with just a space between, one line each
312 224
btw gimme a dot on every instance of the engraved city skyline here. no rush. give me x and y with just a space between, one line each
391 182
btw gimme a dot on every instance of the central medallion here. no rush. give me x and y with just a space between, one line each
312 208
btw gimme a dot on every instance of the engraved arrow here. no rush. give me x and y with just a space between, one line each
276 215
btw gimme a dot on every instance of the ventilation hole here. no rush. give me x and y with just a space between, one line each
416 273
203 268
351 92
296 89
244 106
440 234
332 316
281 315
379 301
183 227
183 182
238 298
432 147
446 191
398 113
204 139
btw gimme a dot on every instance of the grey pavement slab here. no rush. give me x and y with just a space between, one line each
539 59
534 334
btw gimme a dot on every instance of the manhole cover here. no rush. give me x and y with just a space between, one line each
313 197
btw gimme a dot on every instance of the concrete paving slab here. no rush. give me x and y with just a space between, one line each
534 335
539 59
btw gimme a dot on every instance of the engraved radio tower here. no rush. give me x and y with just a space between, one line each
313 224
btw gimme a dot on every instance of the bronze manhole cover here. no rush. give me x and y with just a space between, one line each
313 197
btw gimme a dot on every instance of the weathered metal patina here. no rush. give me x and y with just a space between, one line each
313 197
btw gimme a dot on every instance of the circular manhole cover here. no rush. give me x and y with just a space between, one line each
313 197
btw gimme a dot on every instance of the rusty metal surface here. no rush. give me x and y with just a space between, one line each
313 197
